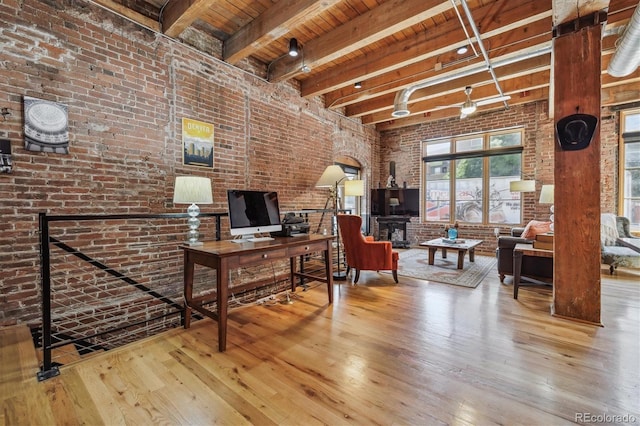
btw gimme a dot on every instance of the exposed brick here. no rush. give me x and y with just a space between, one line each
127 92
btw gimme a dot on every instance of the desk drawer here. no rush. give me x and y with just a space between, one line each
311 247
262 257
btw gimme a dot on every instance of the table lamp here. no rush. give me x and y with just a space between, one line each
546 197
522 185
193 190
393 203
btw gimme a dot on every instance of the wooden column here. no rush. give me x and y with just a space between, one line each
576 85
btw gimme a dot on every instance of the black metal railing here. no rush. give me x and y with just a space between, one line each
108 280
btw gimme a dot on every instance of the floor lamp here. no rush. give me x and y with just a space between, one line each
332 177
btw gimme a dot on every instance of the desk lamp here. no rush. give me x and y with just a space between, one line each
192 190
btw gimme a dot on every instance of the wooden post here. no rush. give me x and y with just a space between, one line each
576 85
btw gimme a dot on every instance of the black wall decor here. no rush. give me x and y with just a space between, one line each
6 165
576 131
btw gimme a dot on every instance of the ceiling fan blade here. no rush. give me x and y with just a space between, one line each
441 107
493 100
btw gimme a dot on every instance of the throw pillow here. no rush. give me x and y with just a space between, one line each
534 228
608 229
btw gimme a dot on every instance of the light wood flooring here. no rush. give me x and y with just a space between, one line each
415 353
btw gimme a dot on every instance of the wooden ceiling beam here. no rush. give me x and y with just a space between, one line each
274 23
384 103
130 14
502 46
383 21
620 94
522 98
180 14
497 18
453 95
568 10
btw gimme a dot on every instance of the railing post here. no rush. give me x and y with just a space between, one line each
47 370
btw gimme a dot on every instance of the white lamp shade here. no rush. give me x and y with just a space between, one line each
394 202
546 194
468 108
332 175
192 190
522 186
354 188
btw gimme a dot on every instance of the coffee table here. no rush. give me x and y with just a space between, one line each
444 244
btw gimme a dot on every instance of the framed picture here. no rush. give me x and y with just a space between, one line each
46 127
6 165
197 143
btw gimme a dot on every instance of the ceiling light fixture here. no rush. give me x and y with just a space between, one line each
293 47
462 50
358 85
468 107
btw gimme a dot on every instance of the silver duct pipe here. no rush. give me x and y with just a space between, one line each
402 97
626 58
400 102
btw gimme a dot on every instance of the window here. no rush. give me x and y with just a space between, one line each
630 165
467 178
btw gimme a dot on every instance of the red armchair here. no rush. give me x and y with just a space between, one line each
363 253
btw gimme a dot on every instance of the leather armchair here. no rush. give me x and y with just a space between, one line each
533 267
364 253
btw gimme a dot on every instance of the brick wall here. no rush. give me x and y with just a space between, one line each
127 90
403 147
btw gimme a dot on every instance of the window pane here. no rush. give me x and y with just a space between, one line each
506 139
437 148
632 123
631 176
464 145
469 168
469 190
632 155
437 196
632 211
504 206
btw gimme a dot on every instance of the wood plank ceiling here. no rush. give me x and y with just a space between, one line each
389 45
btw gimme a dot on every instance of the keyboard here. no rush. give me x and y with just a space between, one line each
259 239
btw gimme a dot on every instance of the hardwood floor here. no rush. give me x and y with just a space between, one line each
414 353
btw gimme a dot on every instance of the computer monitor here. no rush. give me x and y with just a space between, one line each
253 212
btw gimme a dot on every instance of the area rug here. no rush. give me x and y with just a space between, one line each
415 263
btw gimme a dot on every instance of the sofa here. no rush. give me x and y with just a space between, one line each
615 251
539 268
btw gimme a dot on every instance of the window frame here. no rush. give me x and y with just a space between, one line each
626 137
486 153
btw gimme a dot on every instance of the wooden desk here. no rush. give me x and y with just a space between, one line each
519 251
226 255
